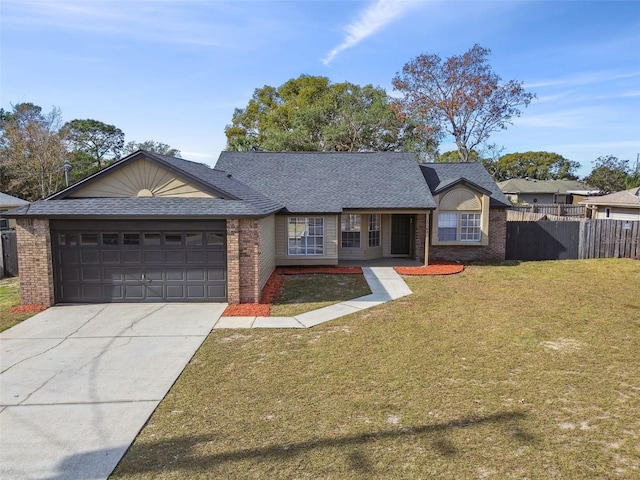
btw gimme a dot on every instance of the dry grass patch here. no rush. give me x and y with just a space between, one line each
9 299
523 371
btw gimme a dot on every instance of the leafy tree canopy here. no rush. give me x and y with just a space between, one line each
534 165
94 139
32 152
460 96
150 146
453 156
610 174
310 113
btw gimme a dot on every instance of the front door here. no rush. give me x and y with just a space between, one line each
401 230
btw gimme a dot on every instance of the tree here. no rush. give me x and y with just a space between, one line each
94 141
611 175
311 114
151 146
534 165
32 151
453 156
461 97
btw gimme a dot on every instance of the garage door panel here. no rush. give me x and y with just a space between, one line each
174 257
91 291
195 274
175 274
155 292
90 274
71 274
216 291
112 274
216 258
214 274
133 292
175 292
129 257
138 262
114 292
69 257
111 256
153 256
196 257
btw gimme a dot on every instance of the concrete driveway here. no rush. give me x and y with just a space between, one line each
78 382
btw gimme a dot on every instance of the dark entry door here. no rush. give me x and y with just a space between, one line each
401 229
139 261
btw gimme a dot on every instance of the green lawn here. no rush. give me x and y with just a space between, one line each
524 371
10 297
303 293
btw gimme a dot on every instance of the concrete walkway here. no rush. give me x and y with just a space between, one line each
78 382
385 285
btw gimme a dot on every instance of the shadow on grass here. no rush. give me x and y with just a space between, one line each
180 449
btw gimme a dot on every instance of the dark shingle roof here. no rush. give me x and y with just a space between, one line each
249 201
7 200
326 182
441 175
138 208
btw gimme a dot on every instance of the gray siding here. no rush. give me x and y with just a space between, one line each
330 256
267 246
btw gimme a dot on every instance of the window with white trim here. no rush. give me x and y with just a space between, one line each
374 230
305 236
459 227
351 226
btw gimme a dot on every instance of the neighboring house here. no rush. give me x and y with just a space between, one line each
524 190
8 202
623 205
157 228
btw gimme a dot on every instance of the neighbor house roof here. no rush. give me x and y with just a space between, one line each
7 200
440 176
525 185
237 199
626 198
328 182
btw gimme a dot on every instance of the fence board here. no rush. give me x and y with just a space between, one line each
559 209
10 253
586 238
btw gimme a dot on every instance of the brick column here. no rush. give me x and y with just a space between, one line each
34 261
249 261
233 260
421 238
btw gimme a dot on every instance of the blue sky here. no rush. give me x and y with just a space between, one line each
174 70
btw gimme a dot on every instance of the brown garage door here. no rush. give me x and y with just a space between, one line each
139 261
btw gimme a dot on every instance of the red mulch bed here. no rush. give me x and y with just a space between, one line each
435 268
247 310
271 290
28 308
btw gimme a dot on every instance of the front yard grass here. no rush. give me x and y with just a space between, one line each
514 371
303 293
9 298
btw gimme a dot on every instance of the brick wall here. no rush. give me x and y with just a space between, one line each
243 262
421 237
493 252
34 261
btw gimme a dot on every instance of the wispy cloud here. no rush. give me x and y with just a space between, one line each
582 79
371 19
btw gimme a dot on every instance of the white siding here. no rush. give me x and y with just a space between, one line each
618 213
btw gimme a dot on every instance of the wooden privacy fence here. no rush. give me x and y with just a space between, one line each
519 212
582 238
8 254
